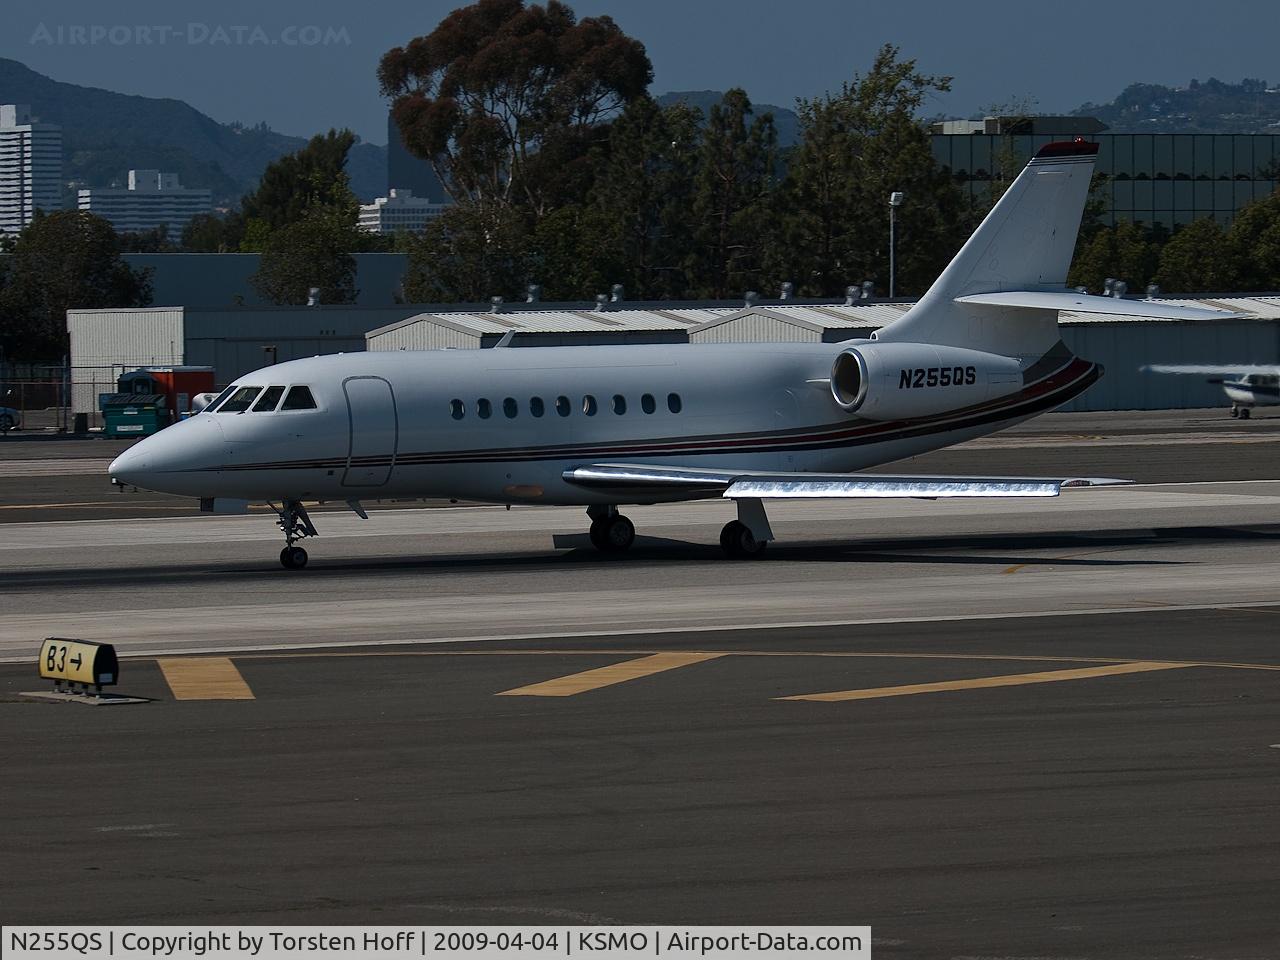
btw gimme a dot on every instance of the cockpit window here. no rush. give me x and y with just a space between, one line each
299 398
218 399
239 401
267 402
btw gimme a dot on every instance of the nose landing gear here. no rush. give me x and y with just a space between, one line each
295 525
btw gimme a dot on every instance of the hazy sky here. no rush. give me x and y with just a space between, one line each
306 66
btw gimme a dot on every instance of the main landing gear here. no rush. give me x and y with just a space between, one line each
611 532
296 525
741 539
739 543
1239 411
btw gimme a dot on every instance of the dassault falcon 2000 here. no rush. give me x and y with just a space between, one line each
603 426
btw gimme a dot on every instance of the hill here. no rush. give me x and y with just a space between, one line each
105 134
1251 106
784 121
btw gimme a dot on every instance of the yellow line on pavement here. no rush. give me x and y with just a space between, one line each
204 678
1014 680
576 683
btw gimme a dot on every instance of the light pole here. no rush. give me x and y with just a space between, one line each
895 201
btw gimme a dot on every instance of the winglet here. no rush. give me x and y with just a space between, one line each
1078 147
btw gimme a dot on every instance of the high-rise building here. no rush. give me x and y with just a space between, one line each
407 172
401 211
30 167
152 199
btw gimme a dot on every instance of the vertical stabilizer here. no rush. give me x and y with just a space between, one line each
1024 243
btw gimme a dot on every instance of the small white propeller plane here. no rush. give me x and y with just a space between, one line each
608 425
1246 385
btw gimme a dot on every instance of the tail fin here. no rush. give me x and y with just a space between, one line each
1025 243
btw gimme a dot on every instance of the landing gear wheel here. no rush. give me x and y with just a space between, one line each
293 558
613 535
739 543
6 422
1244 413
1235 411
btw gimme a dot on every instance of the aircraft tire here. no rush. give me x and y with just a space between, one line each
293 558
1235 411
6 422
616 535
739 543
1244 413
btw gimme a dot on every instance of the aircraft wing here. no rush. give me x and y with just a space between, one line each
639 480
1083 303
1213 369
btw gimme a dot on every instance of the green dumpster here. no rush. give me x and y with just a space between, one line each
133 414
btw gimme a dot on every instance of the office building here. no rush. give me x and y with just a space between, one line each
1162 180
30 167
152 199
399 212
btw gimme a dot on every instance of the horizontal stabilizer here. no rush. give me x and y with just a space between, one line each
1083 303
743 484
1214 369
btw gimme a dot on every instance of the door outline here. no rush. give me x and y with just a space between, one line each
347 479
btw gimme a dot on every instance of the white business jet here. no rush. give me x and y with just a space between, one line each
1246 385
609 425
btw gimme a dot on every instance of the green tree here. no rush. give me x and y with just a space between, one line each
856 148
472 252
635 227
732 204
312 252
62 261
1122 252
1254 239
504 100
1197 259
210 233
297 183
155 240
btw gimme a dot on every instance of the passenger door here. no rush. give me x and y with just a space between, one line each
371 408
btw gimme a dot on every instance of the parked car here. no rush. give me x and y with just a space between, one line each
10 419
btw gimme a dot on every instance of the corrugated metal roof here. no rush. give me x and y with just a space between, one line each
848 315
1268 307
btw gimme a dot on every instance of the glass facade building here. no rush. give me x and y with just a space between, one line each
1161 180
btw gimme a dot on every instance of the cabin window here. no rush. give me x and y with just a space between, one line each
536 406
484 409
648 404
674 403
619 404
240 401
298 398
219 398
589 405
563 406
267 402
457 409
510 408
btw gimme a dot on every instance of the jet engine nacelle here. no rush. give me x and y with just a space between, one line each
901 381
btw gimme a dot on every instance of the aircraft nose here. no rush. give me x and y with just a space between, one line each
167 461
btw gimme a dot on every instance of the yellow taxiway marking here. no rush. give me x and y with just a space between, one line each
204 678
576 683
1048 676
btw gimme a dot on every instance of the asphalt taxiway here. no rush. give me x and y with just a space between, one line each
1038 728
